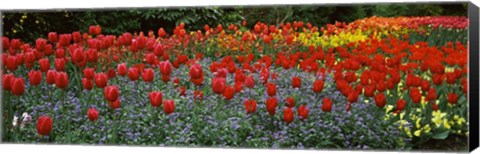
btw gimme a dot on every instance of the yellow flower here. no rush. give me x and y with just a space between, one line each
418 133
446 124
427 128
417 123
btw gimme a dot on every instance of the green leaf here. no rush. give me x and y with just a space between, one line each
441 135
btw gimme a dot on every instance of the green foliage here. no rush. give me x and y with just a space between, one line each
30 25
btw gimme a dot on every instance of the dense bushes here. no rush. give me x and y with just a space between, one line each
29 25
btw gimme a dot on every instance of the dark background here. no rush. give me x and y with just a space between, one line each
33 24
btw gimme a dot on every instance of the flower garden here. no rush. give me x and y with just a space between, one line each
375 83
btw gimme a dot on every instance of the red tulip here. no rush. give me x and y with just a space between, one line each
196 71
77 37
92 114
198 95
65 39
133 73
17 86
303 111
452 98
249 82
5 43
155 98
122 69
101 80
114 104
111 93
51 76
60 64
44 125
148 75
59 53
92 55
40 44
52 37
35 77
318 86
288 115
352 97
44 64
272 103
88 73
290 102
380 100
219 85
94 30
7 80
451 77
165 68
183 90
29 57
78 55
229 93
296 82
431 96
271 89
437 79
327 104
401 104
425 85
415 95
87 83
434 106
169 106
251 106
61 80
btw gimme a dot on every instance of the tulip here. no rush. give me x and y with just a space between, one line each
35 77
87 83
60 64
380 100
401 104
52 37
92 55
196 71
296 82
61 80
415 95
92 114
155 98
327 104
288 115
111 93
250 106
40 44
148 75
88 73
229 93
318 86
44 64
101 80
6 81
169 106
44 125
122 69
51 76
303 111
197 95
249 82
218 85
114 104
271 89
17 86
111 73
165 68
431 96
78 55
290 102
452 98
272 103
133 73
